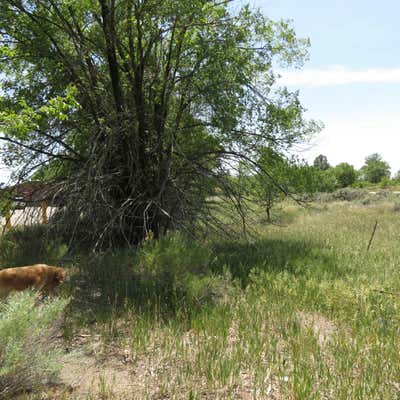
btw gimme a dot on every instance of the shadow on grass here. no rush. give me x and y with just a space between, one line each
296 257
167 278
171 278
178 278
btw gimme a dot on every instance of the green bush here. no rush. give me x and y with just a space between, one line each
28 351
360 184
29 245
173 273
386 182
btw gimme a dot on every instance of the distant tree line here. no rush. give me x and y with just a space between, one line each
375 171
296 178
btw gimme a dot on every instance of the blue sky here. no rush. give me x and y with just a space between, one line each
352 80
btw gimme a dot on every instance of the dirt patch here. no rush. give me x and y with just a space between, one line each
88 377
94 370
91 371
321 327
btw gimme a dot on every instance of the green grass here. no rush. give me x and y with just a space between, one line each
302 312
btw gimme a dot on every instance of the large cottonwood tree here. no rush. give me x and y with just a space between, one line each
139 109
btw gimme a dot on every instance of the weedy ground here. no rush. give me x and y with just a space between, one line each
296 312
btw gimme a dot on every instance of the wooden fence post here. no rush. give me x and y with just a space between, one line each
44 212
372 236
8 219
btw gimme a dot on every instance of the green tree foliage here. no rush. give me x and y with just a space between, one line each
271 181
321 162
345 174
325 179
280 177
139 108
375 169
310 179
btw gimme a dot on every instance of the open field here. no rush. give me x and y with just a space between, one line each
303 312
227 222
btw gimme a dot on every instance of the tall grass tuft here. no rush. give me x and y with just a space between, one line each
28 349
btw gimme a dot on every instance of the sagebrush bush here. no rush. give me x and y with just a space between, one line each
345 194
28 351
29 245
360 196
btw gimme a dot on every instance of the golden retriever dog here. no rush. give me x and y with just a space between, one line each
39 276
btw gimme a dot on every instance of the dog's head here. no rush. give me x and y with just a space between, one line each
60 276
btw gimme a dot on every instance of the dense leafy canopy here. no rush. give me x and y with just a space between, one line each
321 162
375 168
139 108
345 174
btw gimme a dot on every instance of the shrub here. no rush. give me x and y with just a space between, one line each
29 245
172 272
28 351
348 194
386 182
345 194
360 184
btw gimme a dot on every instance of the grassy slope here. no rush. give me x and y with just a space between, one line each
305 319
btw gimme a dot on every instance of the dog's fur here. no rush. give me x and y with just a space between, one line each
39 276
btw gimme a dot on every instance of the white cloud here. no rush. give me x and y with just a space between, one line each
338 75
